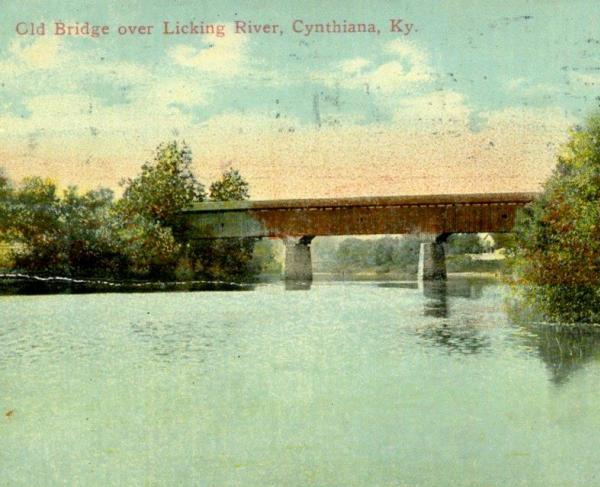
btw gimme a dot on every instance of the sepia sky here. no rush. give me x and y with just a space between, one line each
477 97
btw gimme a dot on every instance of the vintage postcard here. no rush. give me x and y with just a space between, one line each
276 243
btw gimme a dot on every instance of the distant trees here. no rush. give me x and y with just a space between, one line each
465 243
558 236
382 255
401 255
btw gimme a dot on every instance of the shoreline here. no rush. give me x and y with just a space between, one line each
20 284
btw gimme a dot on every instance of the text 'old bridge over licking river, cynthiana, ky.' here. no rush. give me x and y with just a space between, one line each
298 221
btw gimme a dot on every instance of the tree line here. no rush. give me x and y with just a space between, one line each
137 236
400 255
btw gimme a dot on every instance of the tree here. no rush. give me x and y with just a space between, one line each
227 259
164 187
464 243
68 235
406 255
231 186
38 229
6 205
149 207
384 251
91 237
558 236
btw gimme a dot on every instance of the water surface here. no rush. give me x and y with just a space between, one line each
348 384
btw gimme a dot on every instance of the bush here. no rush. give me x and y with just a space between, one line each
558 236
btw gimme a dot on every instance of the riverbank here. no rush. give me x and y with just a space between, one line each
395 276
21 284
29 285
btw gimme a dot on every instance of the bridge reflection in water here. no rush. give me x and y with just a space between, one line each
436 294
297 222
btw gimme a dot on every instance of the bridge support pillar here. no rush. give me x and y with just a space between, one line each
432 262
298 265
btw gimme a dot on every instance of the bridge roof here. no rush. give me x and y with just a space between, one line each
362 201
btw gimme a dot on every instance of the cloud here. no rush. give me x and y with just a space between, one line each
405 65
353 66
43 53
384 159
80 136
25 56
102 96
79 117
251 123
223 56
282 157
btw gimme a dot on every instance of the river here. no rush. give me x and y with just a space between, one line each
348 384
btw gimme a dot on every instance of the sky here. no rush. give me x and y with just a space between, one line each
477 97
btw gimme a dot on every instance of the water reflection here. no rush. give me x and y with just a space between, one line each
436 294
291 285
466 288
462 338
436 298
564 349
454 336
399 285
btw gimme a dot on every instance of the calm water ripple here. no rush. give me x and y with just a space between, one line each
348 384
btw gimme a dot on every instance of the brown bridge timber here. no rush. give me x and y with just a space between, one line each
436 215
426 214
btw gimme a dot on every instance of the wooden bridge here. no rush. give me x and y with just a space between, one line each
298 221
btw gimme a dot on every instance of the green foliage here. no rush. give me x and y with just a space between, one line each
353 254
465 263
6 202
504 240
265 258
558 236
147 212
62 235
164 187
230 259
401 255
37 224
464 243
88 235
231 187
386 254
406 255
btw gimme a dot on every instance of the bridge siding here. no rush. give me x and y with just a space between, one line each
434 218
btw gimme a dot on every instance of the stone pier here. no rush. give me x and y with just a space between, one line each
298 264
432 262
